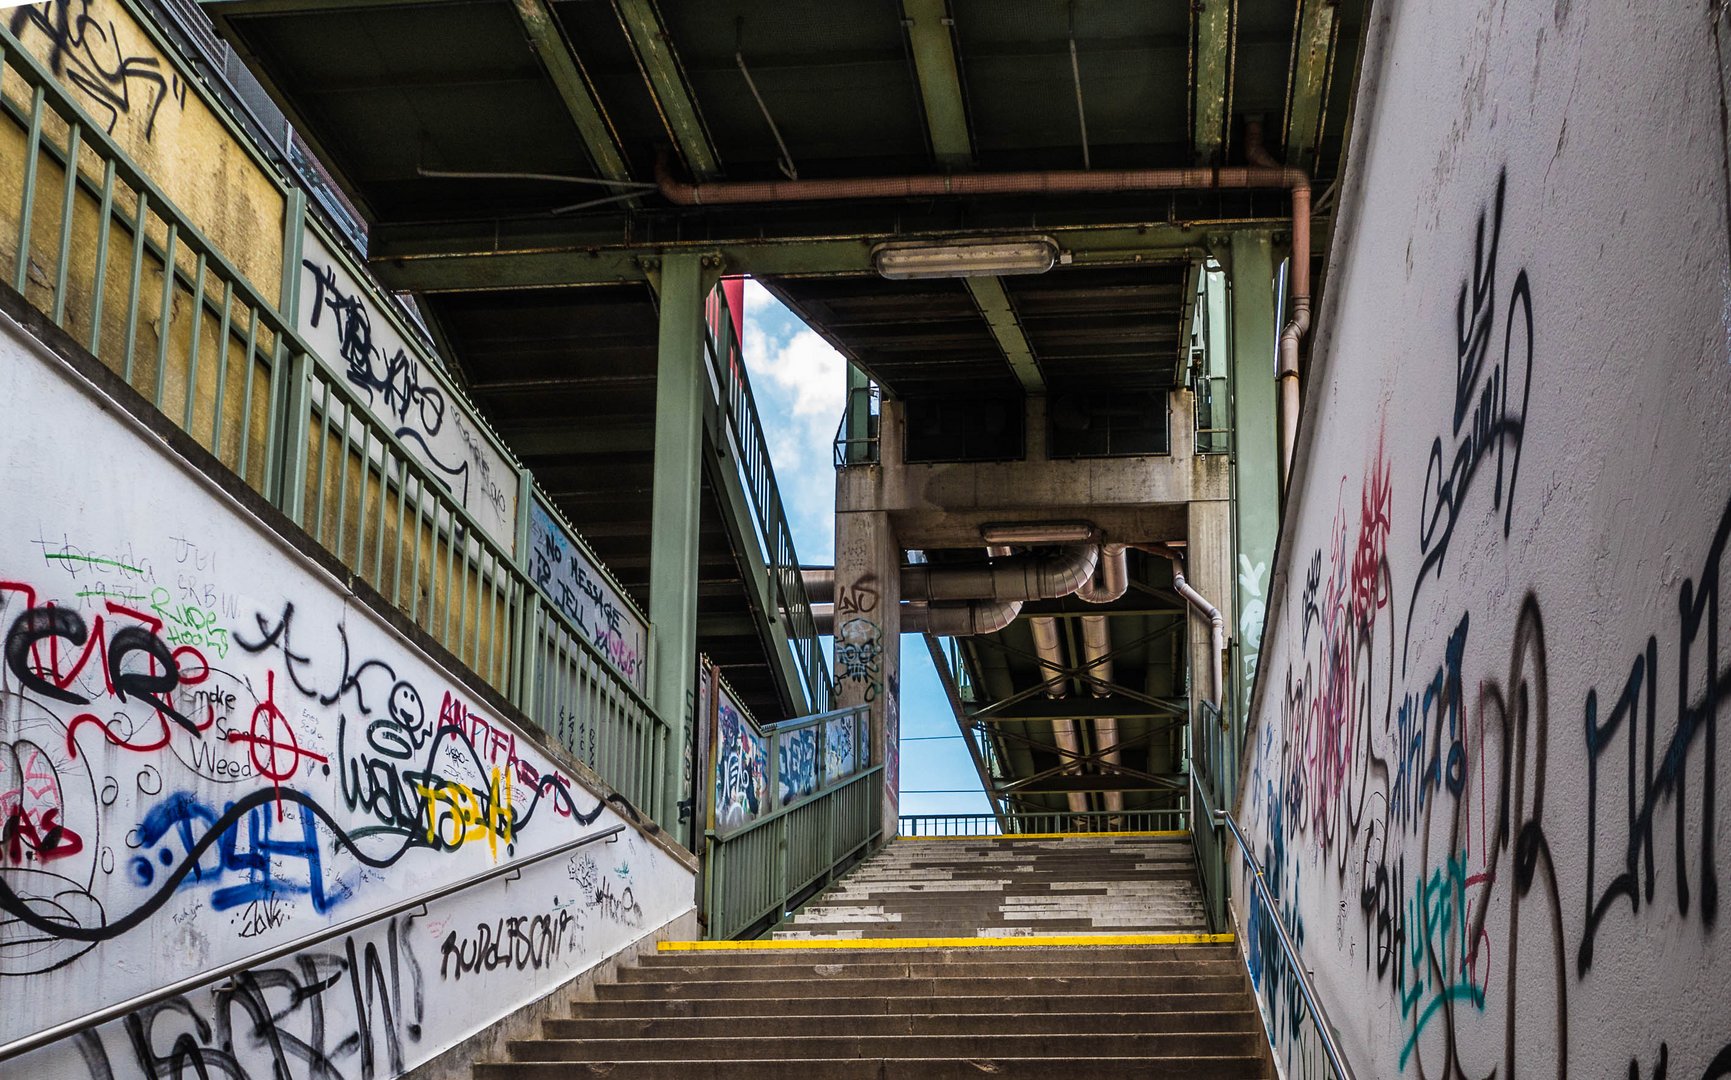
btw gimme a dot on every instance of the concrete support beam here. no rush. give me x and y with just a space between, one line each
548 40
1255 457
680 389
1000 315
1213 31
932 43
867 661
653 48
1314 37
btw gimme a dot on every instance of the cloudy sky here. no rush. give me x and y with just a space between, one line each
800 383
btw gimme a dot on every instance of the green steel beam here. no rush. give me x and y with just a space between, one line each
425 262
1213 49
1057 785
1255 460
564 67
681 386
740 521
1000 315
653 47
1316 28
297 7
1044 709
940 664
929 24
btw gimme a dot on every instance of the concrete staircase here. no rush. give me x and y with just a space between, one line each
839 1008
1000 887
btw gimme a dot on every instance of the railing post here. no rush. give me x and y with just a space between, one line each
292 422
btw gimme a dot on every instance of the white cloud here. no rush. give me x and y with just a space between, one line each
800 383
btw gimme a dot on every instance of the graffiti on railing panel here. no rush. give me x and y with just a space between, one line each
798 764
208 749
403 389
741 766
581 592
840 752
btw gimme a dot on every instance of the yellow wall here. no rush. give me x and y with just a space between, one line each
132 89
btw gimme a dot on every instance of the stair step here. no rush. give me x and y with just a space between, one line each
1230 1067
1242 1019
768 1043
1145 1001
794 987
770 955
872 967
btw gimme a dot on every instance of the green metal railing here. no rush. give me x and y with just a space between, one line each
1023 823
1214 746
575 694
787 588
755 871
100 249
856 437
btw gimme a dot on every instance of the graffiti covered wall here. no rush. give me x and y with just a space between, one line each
741 765
137 92
584 592
208 747
1484 770
404 389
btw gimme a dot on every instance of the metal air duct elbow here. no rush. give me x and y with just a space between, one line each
1113 579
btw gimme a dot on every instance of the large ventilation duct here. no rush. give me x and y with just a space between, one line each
1047 648
1096 654
1034 576
961 618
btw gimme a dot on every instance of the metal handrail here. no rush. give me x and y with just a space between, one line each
102 1016
1324 1029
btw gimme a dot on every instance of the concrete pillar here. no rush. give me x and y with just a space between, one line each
679 390
868 632
1255 450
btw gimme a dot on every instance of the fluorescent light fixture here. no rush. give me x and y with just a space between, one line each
991 257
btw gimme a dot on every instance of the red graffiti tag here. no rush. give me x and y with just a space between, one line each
265 746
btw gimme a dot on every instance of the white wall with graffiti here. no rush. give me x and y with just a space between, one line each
1485 770
207 748
403 387
580 587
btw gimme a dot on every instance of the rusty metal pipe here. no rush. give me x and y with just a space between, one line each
1216 621
1041 182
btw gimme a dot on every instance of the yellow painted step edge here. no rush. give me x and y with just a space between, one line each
1164 834
946 942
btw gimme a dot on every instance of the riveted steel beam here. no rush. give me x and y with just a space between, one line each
656 59
431 261
295 7
1213 48
564 67
1000 315
1315 31
931 41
